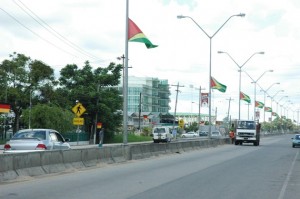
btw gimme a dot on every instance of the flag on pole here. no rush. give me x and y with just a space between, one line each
268 109
217 85
245 97
259 104
136 35
4 108
275 114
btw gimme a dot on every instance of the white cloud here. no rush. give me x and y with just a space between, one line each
98 27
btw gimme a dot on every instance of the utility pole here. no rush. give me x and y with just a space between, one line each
199 111
248 109
228 115
125 88
140 110
177 90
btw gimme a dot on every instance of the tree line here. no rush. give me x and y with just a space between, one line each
39 99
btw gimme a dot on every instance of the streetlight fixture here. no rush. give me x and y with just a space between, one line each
265 92
255 82
279 101
240 71
210 44
272 99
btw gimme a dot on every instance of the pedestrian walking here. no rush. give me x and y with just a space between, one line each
232 136
101 136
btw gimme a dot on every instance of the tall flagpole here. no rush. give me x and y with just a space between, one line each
125 82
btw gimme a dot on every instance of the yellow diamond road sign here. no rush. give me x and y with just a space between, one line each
78 109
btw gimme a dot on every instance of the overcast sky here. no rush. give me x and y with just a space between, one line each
60 32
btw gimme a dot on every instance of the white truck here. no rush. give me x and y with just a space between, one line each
162 134
247 131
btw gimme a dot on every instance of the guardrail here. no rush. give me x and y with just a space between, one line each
22 165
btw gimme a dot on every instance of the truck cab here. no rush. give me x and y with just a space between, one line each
247 131
162 134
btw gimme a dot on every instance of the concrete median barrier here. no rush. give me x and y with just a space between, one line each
72 159
53 161
105 156
119 153
136 152
7 171
28 164
13 166
89 157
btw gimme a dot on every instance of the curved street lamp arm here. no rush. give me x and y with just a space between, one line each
250 58
240 66
238 15
263 74
197 25
231 58
272 85
249 76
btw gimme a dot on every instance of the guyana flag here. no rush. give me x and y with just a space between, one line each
245 97
217 85
268 109
275 114
136 35
4 108
259 104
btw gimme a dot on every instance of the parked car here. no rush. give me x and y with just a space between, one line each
190 134
28 140
296 140
216 134
203 133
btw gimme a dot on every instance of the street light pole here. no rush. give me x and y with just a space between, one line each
255 82
279 101
272 98
210 42
240 71
265 92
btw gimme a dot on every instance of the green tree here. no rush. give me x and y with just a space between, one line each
49 116
96 90
23 80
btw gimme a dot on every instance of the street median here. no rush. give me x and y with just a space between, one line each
18 165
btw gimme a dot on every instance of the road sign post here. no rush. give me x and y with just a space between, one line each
78 109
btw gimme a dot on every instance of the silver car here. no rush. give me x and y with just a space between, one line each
216 134
190 134
28 140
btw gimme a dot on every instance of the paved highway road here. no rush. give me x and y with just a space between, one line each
269 171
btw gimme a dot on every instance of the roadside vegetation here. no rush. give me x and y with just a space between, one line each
39 98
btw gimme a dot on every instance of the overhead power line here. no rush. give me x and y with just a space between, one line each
36 34
55 33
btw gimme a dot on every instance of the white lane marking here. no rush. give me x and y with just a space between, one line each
283 189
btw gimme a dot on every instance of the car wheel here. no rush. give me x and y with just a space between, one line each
293 146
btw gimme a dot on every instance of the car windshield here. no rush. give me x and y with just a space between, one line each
159 130
297 137
41 135
246 125
215 133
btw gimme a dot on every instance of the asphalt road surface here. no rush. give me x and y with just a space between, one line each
269 171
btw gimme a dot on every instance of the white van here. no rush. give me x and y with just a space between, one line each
162 134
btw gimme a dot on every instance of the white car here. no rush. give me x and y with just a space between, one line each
28 140
216 134
190 134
